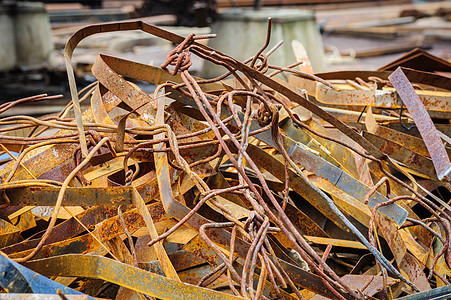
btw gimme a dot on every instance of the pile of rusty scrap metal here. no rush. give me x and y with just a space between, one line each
333 185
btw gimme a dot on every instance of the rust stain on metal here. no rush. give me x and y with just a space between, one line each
237 187
424 123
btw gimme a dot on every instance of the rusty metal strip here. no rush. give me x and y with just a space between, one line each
351 117
434 101
163 258
74 265
106 230
9 234
373 286
183 260
424 123
443 128
46 196
347 203
131 95
337 243
414 270
138 71
353 74
427 78
342 154
407 157
56 157
301 136
407 140
67 229
99 110
165 190
415 76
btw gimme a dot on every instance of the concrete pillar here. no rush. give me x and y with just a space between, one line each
25 35
242 32
8 57
33 34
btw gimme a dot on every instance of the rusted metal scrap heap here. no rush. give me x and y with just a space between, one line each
243 186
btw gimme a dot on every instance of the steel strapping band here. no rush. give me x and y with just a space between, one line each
46 196
91 266
434 101
424 123
129 94
409 158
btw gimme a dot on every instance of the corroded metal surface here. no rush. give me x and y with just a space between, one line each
241 187
125 275
46 196
424 123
